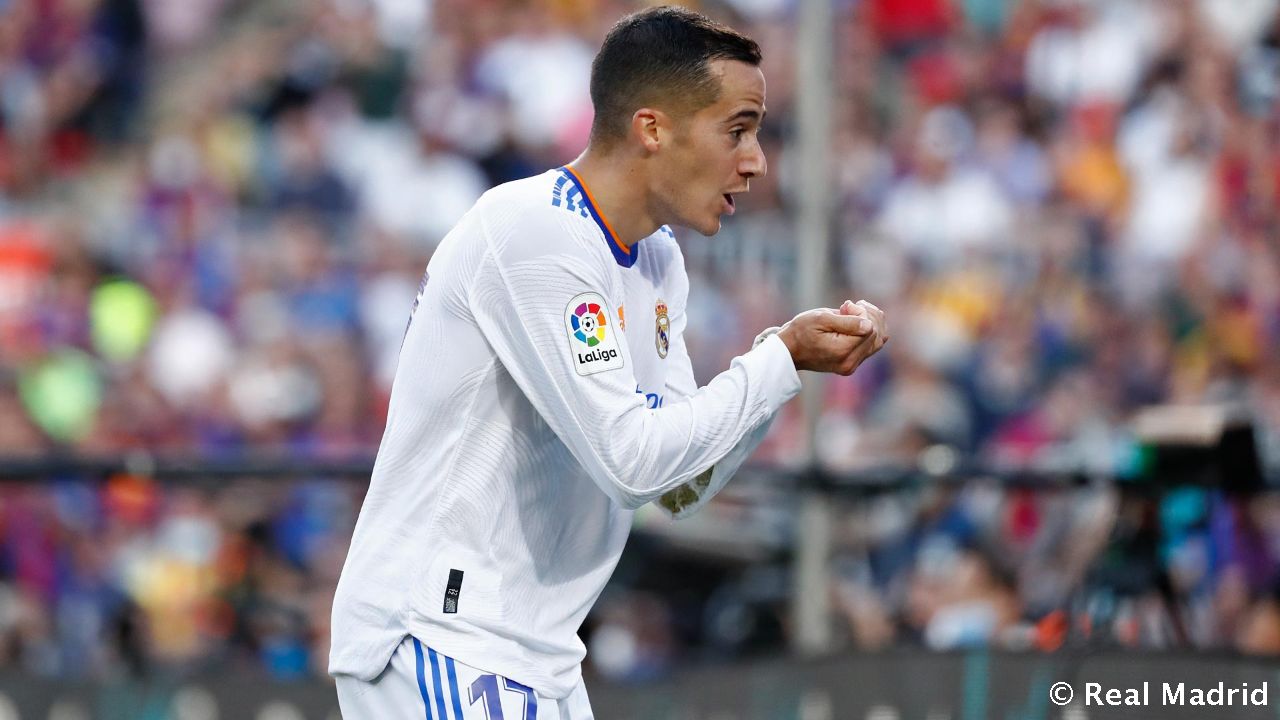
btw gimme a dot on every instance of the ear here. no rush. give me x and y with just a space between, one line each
650 126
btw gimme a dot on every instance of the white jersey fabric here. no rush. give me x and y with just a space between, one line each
543 393
422 683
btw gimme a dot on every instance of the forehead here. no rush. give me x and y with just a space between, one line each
741 87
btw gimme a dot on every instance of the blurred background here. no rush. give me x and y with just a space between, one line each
214 215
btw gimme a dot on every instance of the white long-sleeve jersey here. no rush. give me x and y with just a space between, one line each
543 393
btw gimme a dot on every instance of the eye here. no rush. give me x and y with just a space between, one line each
737 133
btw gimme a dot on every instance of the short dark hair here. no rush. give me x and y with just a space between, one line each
659 58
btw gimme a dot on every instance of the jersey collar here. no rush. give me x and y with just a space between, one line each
625 256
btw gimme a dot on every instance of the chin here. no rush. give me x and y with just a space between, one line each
709 228
706 228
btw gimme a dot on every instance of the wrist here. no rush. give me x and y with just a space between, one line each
787 336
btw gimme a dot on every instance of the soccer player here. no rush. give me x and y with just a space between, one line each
544 392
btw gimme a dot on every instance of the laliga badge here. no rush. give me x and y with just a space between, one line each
662 330
593 339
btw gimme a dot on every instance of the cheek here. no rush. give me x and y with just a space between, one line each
710 170
698 175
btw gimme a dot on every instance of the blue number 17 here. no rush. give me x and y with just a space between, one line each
486 687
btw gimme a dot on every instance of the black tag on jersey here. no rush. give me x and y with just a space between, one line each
452 592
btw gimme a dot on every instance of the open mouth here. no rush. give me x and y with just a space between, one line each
728 199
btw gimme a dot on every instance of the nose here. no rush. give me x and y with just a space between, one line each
753 163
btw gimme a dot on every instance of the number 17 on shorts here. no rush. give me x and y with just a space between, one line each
454 691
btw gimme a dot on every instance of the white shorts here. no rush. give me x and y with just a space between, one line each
421 683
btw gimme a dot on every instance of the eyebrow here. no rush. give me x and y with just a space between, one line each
747 115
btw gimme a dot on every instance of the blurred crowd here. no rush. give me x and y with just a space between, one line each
214 215
129 578
1069 209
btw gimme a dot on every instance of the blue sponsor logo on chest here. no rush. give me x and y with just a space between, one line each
652 400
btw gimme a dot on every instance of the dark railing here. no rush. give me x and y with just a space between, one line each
181 468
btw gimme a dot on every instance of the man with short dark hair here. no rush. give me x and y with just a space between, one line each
544 392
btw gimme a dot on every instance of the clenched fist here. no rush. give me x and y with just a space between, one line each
835 341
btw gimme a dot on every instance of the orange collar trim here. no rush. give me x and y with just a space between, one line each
594 207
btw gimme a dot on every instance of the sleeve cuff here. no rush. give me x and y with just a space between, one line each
771 362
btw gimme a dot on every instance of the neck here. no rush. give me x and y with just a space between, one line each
618 190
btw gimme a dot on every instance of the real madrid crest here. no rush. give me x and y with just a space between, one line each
662 330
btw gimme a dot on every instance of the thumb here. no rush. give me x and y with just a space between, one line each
849 307
848 324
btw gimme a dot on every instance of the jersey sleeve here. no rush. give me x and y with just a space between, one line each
687 498
540 297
